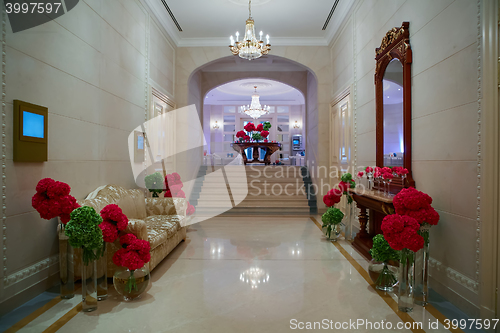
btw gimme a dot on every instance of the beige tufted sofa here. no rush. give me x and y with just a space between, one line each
153 219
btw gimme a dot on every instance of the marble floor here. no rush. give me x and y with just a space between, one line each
205 285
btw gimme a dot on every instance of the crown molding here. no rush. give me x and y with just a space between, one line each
276 41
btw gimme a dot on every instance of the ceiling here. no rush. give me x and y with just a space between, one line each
240 92
288 22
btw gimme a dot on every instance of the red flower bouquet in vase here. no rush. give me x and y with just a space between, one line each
51 200
401 232
113 221
417 204
133 279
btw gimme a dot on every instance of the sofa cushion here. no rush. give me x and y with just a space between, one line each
161 228
131 202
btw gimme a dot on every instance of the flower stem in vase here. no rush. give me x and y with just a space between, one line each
131 282
89 282
66 268
422 270
386 277
102 274
406 281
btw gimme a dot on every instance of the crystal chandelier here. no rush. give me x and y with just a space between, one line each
255 110
249 48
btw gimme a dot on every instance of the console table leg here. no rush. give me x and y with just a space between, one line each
363 220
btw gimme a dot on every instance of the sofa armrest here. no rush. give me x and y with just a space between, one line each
138 228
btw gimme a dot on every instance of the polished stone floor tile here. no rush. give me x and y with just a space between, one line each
247 274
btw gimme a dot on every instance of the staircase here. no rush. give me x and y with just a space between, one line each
272 190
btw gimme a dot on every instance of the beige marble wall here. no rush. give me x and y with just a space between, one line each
90 68
443 36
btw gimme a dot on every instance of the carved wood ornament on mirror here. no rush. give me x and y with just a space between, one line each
395 45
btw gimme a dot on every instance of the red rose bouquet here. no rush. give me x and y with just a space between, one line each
113 221
133 255
52 200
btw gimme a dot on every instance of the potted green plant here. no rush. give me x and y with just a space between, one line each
332 222
383 270
154 183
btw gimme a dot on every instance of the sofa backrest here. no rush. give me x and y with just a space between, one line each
132 202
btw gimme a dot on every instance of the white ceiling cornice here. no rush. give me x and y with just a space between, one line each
335 23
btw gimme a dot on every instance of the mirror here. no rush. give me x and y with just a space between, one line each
393 114
393 103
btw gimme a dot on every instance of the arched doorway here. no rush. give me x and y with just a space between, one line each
227 69
222 119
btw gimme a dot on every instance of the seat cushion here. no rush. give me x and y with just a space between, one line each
161 228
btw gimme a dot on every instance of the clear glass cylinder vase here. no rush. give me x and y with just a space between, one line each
348 221
422 270
102 274
89 285
406 281
66 268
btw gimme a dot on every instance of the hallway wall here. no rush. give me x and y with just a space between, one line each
443 37
91 68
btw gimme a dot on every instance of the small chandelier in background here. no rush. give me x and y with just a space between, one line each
249 48
255 109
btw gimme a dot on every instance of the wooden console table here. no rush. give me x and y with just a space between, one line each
379 206
269 147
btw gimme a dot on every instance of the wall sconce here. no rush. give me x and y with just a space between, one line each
296 125
216 126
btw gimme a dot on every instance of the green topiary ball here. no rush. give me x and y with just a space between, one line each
84 232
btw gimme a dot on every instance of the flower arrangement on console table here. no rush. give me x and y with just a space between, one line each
51 200
254 133
84 232
133 279
382 270
401 232
385 176
417 204
154 183
113 222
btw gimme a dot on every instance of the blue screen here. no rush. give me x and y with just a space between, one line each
295 142
33 125
140 142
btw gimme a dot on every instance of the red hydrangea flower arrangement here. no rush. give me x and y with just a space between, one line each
134 252
52 200
174 186
264 134
113 221
332 197
259 128
401 232
416 204
250 127
190 210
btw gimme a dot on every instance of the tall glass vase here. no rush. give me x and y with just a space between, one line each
422 270
102 274
89 285
348 221
406 281
66 270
